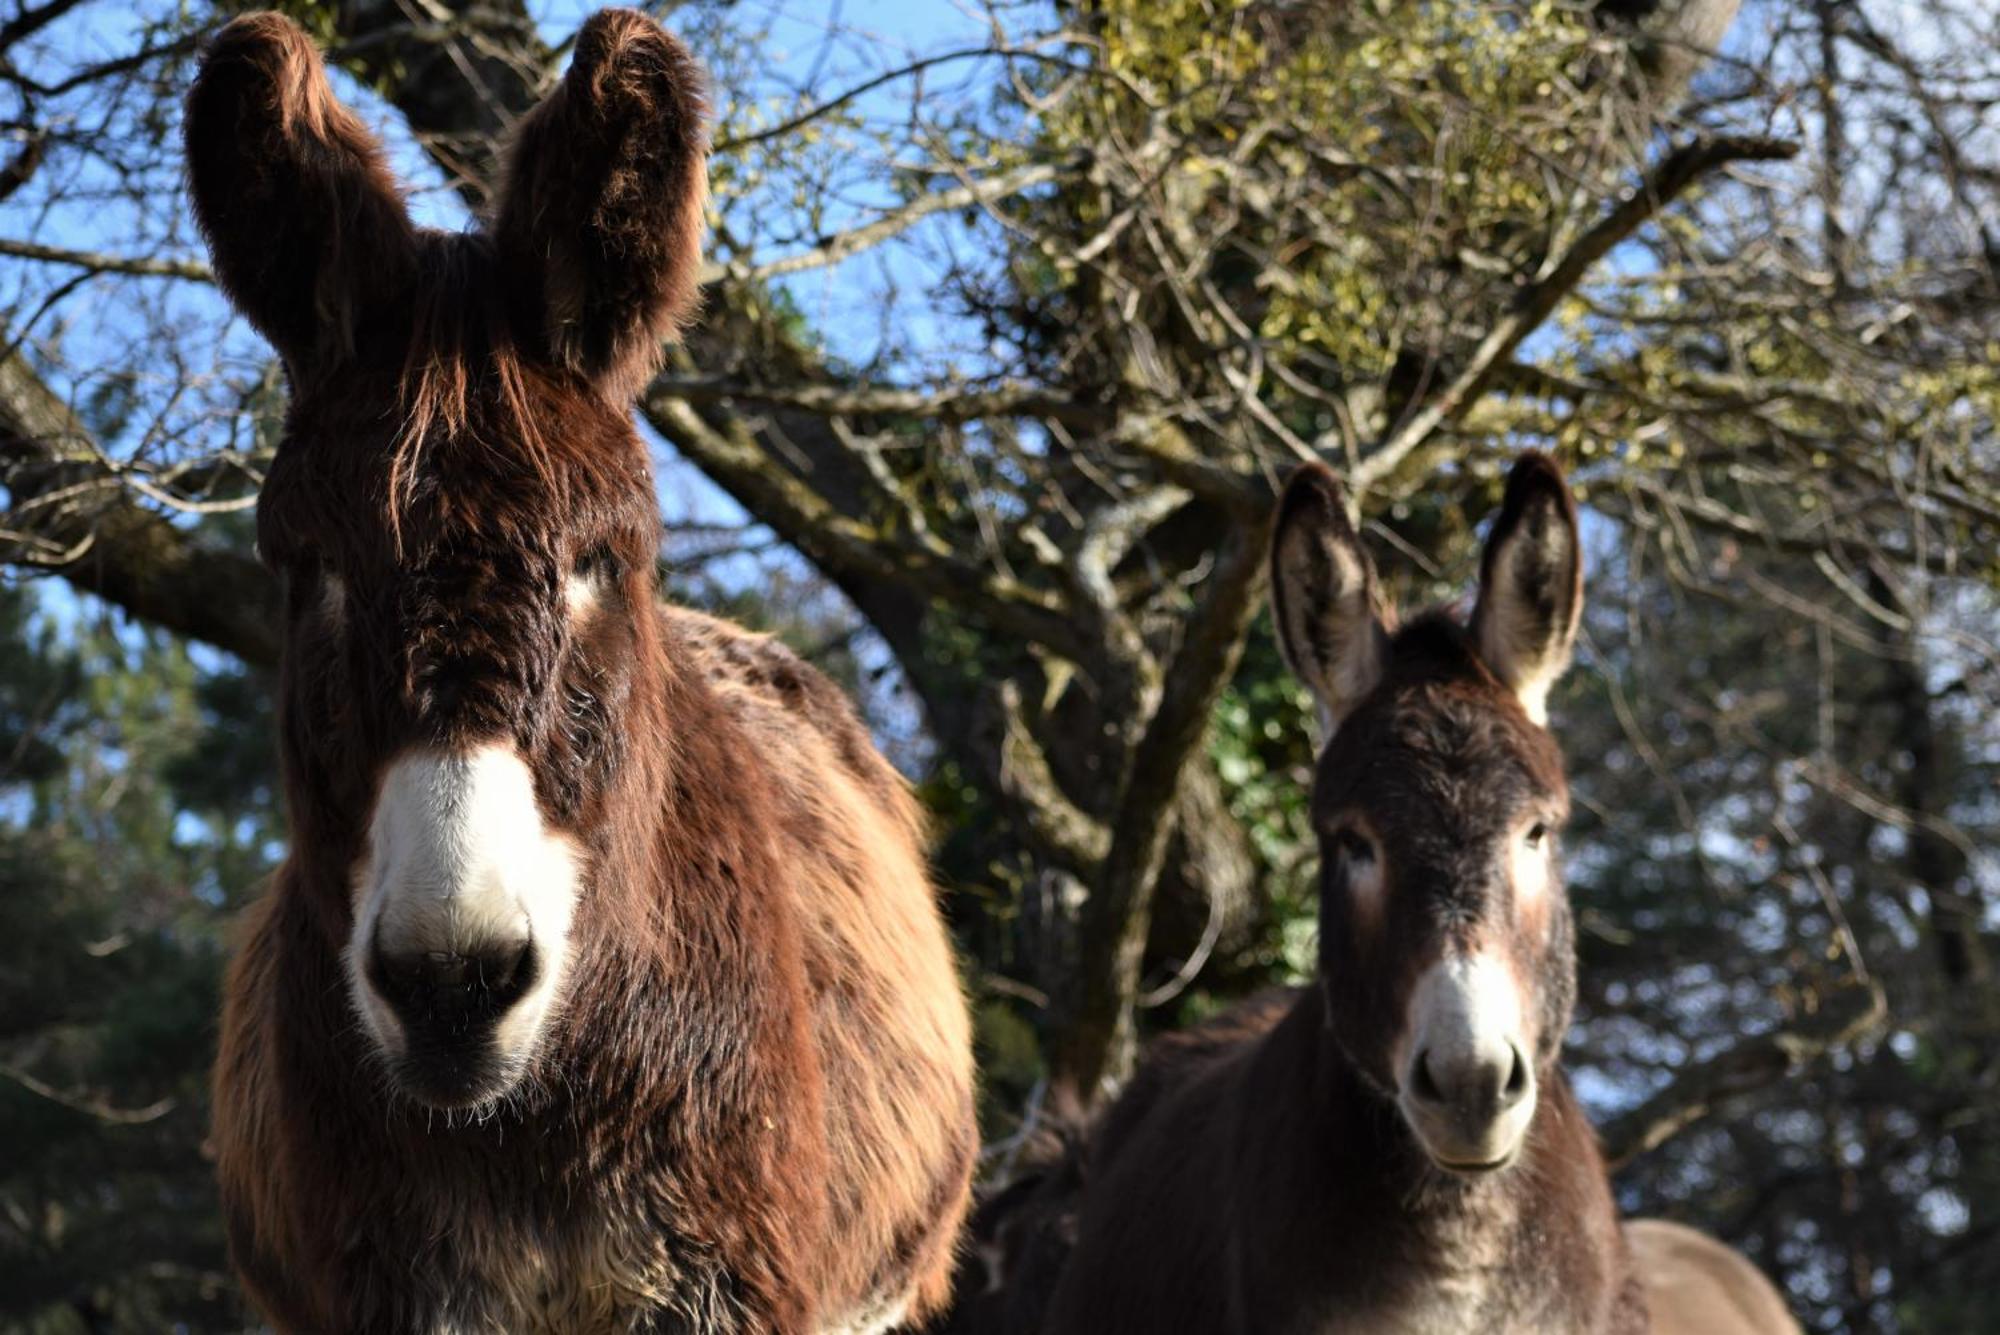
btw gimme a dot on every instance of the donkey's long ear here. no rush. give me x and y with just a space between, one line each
1323 595
1531 584
602 212
303 219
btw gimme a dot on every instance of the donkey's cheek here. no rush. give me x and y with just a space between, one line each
1530 872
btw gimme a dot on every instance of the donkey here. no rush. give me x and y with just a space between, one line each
603 987
1394 1147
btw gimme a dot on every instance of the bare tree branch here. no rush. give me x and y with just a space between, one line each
125 554
1095 1042
941 403
96 262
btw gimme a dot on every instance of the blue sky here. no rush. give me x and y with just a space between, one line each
792 46
798 47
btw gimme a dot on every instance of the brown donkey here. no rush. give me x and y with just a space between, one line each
1393 1148
603 988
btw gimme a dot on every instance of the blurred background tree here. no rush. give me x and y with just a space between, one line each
1017 312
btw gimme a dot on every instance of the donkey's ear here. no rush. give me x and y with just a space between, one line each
1531 585
602 212
303 218
1323 595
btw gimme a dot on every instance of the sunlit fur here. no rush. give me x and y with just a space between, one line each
748 1105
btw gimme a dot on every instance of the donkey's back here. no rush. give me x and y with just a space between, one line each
1698 1286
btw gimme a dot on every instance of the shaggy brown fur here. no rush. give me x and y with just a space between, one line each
753 1110
1257 1175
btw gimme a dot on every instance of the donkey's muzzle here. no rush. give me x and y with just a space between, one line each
1468 1088
1466 1103
450 1003
462 906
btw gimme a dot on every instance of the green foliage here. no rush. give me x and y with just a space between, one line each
132 818
1351 163
1262 739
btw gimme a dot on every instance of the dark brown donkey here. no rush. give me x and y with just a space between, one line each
1393 1148
604 988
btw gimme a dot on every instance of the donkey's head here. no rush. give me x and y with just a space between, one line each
462 513
1445 939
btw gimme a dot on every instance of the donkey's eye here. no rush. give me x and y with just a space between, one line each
1353 847
599 563
1537 833
301 570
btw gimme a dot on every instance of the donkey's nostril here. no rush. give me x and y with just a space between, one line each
506 967
452 992
1423 1082
441 969
1472 1086
1517 1079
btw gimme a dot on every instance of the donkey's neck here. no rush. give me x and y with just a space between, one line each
1400 1243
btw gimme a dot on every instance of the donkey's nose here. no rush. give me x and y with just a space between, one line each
1473 1087
442 995
1468 1089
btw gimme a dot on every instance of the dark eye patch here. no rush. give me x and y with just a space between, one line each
304 579
599 563
1352 847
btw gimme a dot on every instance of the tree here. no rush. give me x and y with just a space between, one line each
1163 252
140 810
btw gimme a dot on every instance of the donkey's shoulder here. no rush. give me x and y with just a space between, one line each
770 690
762 668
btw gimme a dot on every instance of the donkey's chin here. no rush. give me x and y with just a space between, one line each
470 1068
1470 1152
462 1078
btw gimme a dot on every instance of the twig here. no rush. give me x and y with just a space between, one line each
942 403
103 1112
97 262
833 249
1537 299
